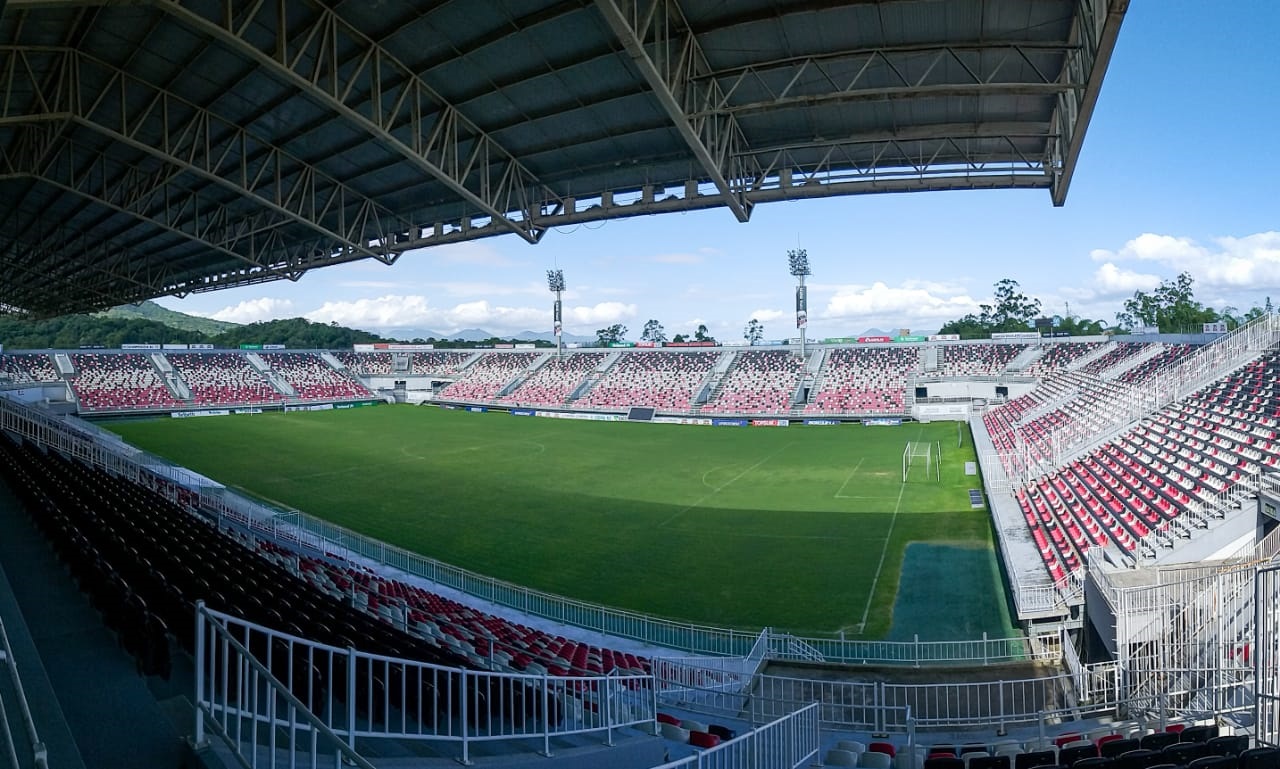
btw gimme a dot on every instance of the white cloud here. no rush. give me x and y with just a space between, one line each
893 305
1115 281
1251 261
764 316
255 310
396 311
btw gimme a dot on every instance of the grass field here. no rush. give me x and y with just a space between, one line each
803 529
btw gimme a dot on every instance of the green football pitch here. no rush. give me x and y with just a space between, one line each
803 529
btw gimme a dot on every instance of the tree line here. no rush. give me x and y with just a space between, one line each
1171 307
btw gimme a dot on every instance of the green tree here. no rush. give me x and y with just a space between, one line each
678 338
653 332
1172 307
754 332
610 335
702 335
1012 311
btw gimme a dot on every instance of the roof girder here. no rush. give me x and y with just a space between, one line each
661 45
342 69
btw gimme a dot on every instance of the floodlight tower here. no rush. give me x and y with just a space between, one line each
555 282
798 261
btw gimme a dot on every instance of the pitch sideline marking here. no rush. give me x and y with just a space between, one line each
717 489
840 491
884 551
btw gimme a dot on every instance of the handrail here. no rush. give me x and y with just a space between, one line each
800 743
38 752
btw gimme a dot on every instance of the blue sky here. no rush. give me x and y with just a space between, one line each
1179 173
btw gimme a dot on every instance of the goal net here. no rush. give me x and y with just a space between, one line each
922 461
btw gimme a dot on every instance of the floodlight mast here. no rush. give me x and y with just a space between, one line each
555 282
798 262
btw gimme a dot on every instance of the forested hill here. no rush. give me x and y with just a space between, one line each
74 331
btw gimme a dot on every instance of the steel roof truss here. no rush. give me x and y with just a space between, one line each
665 50
342 69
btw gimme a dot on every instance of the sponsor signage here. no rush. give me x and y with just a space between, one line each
729 422
249 410
391 347
176 347
201 346
250 347
525 346
504 346
312 407
477 409
802 306
1016 335
822 422
646 343
1146 330
448 406
522 412
1215 328
143 346
355 405
840 340
93 347
944 337
581 415
874 339
882 422
273 347
770 422
203 413
911 338
682 420
690 344
736 343
622 344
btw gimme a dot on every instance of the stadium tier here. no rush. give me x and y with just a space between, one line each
555 381
758 382
666 381
28 367
1059 356
1114 357
223 379
486 378
119 381
367 363
313 378
960 360
864 380
1175 462
1165 358
439 362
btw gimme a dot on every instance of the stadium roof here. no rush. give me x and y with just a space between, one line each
156 147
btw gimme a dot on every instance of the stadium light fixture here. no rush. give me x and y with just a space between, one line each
555 282
798 262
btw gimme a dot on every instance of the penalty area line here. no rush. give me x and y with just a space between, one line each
840 492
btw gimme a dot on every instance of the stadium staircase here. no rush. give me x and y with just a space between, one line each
469 362
172 380
63 361
711 385
271 376
931 354
528 371
1133 361
1085 360
1029 355
332 360
595 376
815 372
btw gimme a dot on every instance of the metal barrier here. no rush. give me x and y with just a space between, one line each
39 756
789 742
243 671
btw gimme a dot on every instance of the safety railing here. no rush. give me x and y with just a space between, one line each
350 695
791 741
39 756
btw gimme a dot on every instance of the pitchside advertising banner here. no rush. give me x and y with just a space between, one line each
770 423
882 422
522 412
729 422
822 422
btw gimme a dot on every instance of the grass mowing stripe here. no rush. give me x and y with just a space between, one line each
716 490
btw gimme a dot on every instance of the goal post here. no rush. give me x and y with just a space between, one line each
922 454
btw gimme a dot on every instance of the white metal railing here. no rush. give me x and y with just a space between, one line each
791 741
349 694
39 756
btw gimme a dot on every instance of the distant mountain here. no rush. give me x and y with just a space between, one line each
547 336
149 310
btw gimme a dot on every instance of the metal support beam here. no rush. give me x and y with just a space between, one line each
316 51
664 49
1096 29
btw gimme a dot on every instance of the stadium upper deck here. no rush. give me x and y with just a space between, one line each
165 147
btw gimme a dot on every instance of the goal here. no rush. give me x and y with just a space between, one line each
922 455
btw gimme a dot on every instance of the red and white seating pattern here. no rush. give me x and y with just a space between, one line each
485 639
1166 357
106 382
759 382
313 378
28 367
366 363
1114 357
1060 356
223 379
1173 463
664 380
555 381
440 362
864 380
486 377
976 359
